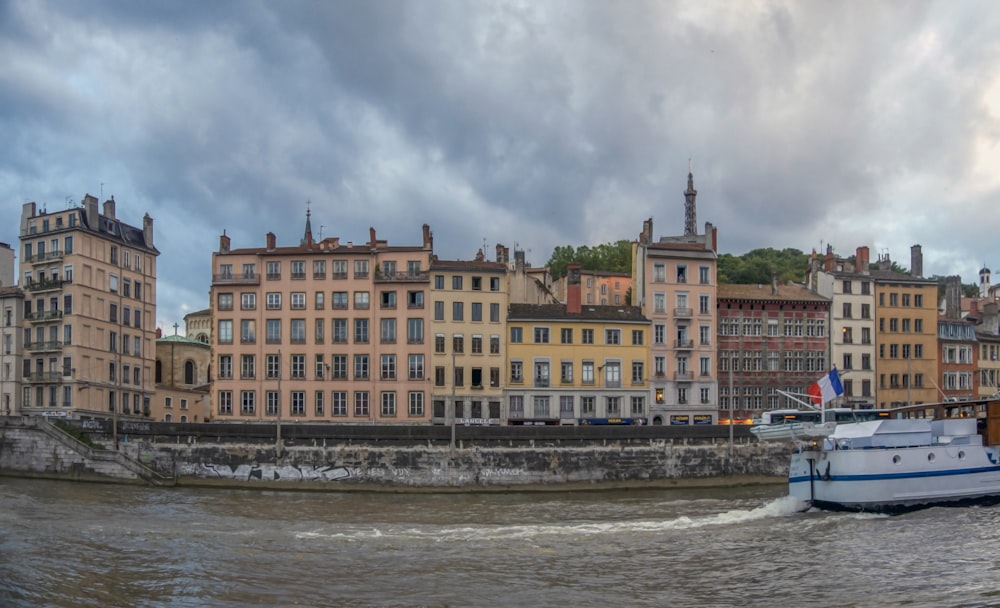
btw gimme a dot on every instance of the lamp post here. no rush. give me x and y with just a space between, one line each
451 410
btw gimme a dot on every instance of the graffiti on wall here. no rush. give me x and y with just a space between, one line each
265 471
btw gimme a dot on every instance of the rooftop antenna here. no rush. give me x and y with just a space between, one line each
102 189
69 202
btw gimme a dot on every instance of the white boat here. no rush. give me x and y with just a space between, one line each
894 465
785 425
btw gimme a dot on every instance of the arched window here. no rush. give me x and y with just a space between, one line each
168 418
159 372
189 372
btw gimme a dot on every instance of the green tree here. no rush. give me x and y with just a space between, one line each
760 265
609 257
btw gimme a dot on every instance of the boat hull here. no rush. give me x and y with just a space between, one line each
889 480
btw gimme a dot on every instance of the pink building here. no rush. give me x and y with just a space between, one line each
322 331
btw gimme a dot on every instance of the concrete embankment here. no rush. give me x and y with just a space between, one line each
323 457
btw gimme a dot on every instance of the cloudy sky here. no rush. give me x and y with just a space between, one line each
532 124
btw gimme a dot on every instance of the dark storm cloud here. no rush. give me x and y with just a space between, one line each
533 124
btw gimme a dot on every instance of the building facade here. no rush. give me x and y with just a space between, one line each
182 380
12 309
468 322
89 312
849 286
905 334
772 340
599 287
322 331
674 284
601 353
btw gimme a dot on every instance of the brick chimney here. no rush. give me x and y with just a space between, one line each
916 262
828 261
224 243
428 237
573 289
272 241
861 258
147 229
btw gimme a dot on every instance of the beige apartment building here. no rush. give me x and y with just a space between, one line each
469 300
322 331
12 309
89 284
674 285
598 287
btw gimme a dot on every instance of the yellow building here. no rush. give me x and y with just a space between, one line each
89 312
576 364
905 335
326 331
469 304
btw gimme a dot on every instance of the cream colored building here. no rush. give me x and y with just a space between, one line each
89 311
468 321
12 309
321 331
198 325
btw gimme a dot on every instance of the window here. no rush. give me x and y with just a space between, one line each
388 299
438 311
587 372
225 366
612 336
458 343
248 331
361 299
272 270
298 367
274 300
439 343
225 403
566 335
637 337
414 299
248 301
659 273
248 364
340 331
298 328
494 283
416 367
361 367
416 403
361 331
566 372
494 345
388 403
248 404
541 335
388 331
494 313
361 272
477 345
339 271
703 275
319 270
637 372
338 403
477 312
272 366
225 301
456 283
516 372
298 300
517 335
388 367
339 299
612 375
338 366
457 311
415 331
319 300
225 332
439 281
477 283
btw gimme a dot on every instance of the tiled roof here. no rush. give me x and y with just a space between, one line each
764 292
526 312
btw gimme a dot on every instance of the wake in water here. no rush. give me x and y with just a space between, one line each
780 507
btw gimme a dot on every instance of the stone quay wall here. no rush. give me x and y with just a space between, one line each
411 458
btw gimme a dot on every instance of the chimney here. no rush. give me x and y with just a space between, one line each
519 260
109 208
147 229
272 241
974 309
714 233
828 261
90 203
428 237
646 236
223 243
953 297
861 260
573 289
159 333
774 284
371 237
500 253
916 262
479 256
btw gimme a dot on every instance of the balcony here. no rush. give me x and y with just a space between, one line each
683 376
44 315
684 344
232 279
47 285
683 313
41 347
43 258
44 377
402 277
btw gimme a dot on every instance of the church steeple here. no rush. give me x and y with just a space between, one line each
307 238
690 212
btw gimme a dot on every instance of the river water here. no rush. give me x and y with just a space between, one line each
76 544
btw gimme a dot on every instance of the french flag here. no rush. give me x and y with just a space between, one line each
826 389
